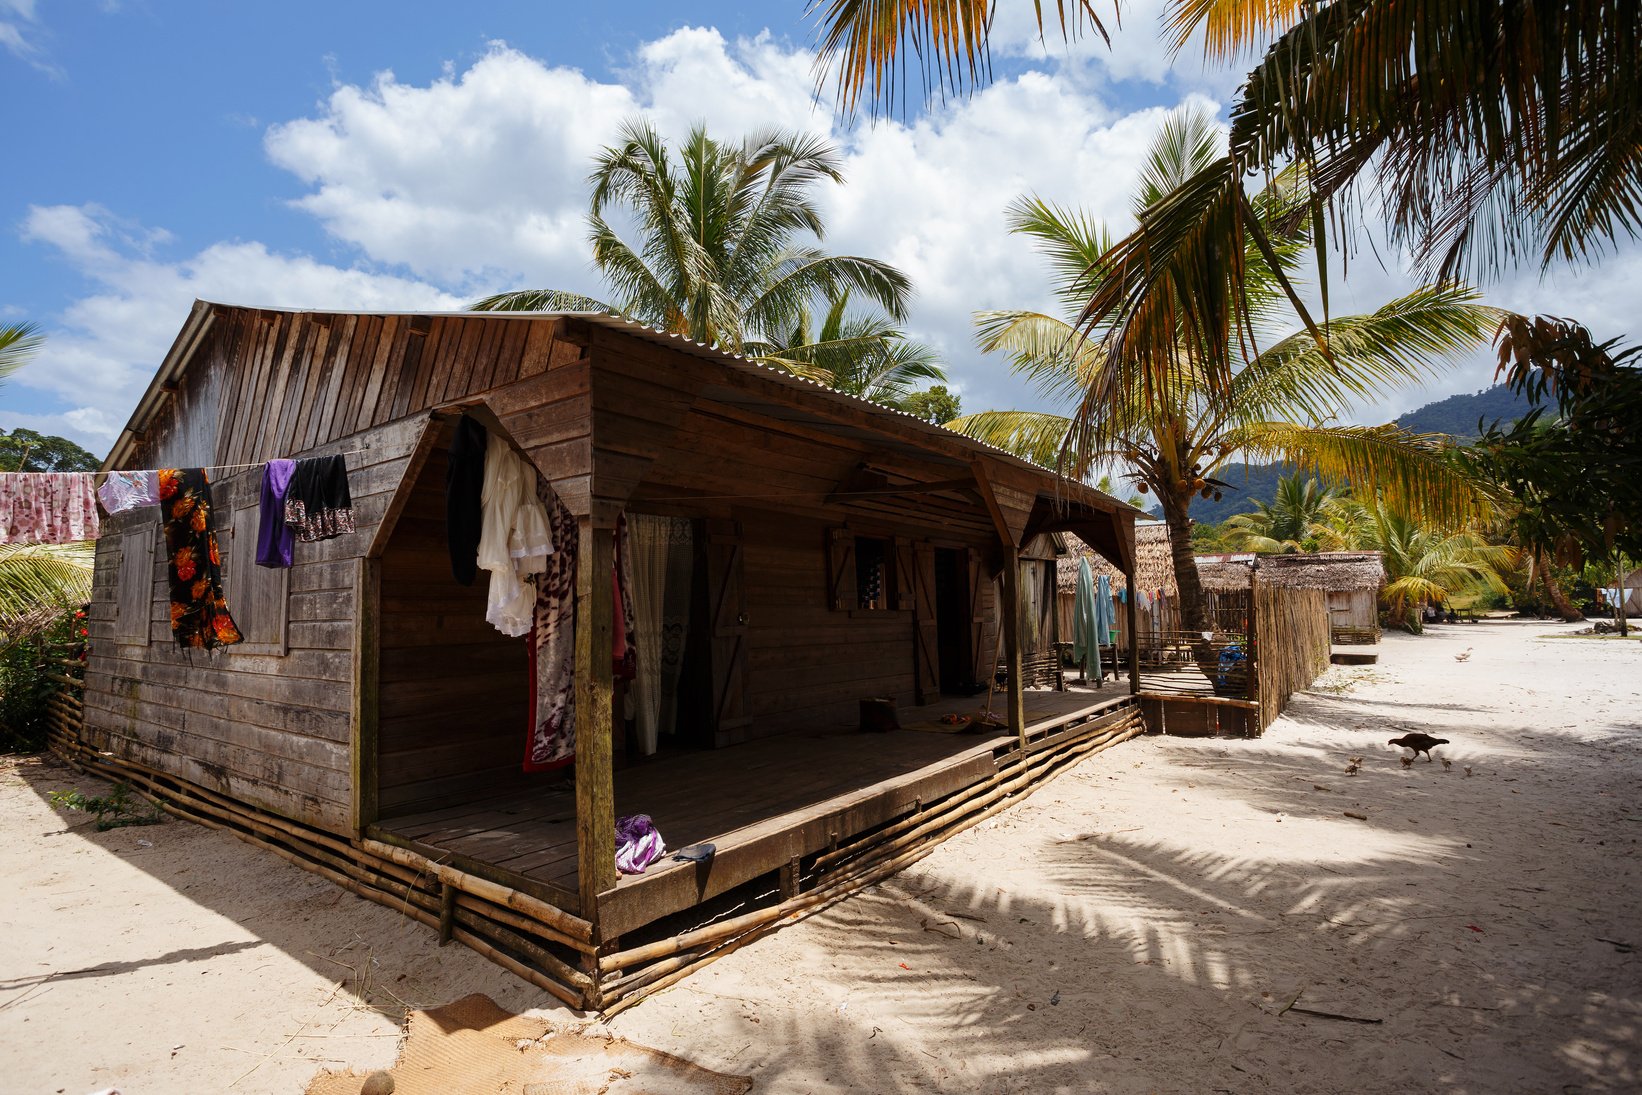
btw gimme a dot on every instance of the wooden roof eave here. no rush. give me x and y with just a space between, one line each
164 385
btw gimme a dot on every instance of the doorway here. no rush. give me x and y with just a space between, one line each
952 622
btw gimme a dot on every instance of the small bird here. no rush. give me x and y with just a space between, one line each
1467 771
1420 743
1465 656
1353 768
1408 762
1447 764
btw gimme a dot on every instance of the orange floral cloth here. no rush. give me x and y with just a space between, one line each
199 613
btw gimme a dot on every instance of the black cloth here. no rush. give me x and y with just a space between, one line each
317 503
464 491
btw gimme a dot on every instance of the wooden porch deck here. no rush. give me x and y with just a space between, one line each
761 804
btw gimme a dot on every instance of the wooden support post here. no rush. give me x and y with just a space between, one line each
447 912
362 745
789 879
1254 615
1132 611
1011 613
595 786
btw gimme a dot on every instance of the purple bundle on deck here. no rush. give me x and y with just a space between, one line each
638 844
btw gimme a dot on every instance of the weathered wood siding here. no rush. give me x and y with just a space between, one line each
268 729
454 690
807 664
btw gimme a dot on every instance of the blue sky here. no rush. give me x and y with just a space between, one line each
419 155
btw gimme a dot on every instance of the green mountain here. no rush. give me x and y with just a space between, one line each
1456 416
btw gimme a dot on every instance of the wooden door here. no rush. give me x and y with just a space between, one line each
979 649
925 624
727 627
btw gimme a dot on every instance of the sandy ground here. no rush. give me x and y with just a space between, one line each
1138 925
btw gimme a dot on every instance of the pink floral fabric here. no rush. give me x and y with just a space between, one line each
51 507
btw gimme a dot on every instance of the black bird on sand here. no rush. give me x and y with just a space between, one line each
1420 743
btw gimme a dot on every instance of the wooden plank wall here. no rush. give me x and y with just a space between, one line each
454 690
809 665
283 383
269 730
1293 644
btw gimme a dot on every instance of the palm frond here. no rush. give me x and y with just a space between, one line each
540 300
865 44
19 342
39 582
1414 473
1030 435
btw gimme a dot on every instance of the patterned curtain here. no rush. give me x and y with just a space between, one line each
661 565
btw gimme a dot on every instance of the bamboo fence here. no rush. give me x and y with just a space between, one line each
1291 644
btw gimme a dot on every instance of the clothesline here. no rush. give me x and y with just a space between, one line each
202 467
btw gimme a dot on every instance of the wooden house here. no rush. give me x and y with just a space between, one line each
372 724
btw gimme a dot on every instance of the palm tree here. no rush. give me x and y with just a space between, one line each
1305 515
866 355
19 342
1424 565
1178 434
716 257
1487 129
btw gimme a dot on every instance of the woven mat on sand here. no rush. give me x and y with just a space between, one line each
472 1045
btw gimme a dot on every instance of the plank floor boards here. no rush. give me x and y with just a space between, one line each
714 795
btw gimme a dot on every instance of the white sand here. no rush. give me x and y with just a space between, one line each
1137 925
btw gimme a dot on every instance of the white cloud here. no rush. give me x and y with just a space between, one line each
103 349
479 177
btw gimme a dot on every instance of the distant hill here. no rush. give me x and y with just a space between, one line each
1456 416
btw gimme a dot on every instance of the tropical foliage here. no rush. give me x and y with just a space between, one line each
27 450
1425 565
19 342
866 355
1305 515
1179 434
934 404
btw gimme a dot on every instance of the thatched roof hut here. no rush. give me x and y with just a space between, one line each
1331 571
1154 569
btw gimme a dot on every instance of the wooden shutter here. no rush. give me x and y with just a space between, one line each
906 574
925 624
727 608
257 596
134 608
841 593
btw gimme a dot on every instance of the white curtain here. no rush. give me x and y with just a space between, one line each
658 544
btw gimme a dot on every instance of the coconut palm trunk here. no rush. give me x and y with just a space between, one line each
1193 602
1559 600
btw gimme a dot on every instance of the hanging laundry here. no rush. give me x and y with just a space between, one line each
126 490
275 539
552 741
317 503
638 843
199 613
464 488
48 507
515 539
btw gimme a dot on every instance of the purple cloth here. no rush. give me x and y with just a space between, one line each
638 844
274 537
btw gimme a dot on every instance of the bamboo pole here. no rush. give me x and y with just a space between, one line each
805 906
574 931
